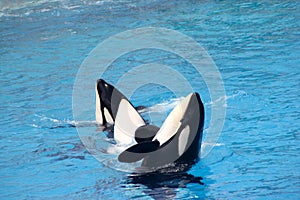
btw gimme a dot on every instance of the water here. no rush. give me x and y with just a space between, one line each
254 44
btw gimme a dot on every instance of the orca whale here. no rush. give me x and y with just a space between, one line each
106 105
113 108
178 140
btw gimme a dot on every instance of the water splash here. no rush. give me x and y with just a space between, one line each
163 106
239 93
42 121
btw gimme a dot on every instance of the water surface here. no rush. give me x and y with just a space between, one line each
254 44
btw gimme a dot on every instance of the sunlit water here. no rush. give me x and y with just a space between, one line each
255 46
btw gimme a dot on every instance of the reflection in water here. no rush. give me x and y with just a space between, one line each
162 184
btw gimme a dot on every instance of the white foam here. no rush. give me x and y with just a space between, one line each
164 106
50 120
225 98
116 149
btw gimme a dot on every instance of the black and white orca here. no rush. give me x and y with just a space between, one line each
178 140
113 108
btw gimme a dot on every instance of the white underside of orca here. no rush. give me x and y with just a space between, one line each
126 123
173 122
99 118
108 117
183 140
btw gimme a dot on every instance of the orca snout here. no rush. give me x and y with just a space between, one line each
103 87
195 95
101 83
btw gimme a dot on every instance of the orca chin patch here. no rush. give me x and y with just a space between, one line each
178 140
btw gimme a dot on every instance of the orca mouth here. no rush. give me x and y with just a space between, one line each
103 82
100 81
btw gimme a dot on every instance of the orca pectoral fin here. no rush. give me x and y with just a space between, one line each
138 151
144 147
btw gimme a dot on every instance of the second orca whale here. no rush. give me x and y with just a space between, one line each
113 108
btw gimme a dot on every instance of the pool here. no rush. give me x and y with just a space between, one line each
254 44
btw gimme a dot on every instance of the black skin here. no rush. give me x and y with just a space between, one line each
106 91
145 133
110 98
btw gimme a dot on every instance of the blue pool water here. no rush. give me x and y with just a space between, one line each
255 45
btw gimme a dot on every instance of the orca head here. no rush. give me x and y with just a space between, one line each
104 93
180 135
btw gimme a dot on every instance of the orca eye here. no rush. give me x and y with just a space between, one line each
105 85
